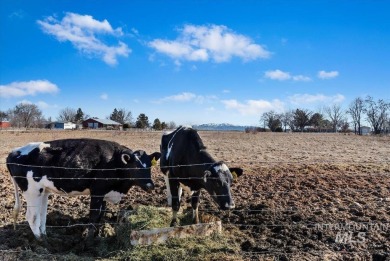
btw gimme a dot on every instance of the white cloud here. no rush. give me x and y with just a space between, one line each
284 76
187 97
253 107
43 105
83 31
212 42
182 97
301 78
104 96
302 99
277 75
327 75
30 88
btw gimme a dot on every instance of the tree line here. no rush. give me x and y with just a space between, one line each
332 118
26 115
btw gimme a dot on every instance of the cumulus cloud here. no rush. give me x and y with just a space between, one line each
83 31
299 99
253 107
277 75
211 42
29 88
284 76
327 75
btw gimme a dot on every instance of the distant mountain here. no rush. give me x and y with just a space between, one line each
220 127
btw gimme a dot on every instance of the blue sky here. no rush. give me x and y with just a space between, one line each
192 62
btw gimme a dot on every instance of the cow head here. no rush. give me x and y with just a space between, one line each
140 164
217 180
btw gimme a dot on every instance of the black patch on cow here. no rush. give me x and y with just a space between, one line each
36 176
40 190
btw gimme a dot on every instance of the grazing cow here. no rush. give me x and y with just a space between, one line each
185 162
103 169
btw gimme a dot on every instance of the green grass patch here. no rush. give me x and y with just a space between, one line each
214 247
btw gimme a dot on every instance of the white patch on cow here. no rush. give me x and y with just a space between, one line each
169 151
143 164
222 167
45 198
169 148
229 206
25 150
169 194
49 185
34 204
36 196
113 196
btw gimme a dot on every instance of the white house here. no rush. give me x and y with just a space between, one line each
64 125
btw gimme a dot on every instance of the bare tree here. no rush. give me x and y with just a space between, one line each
272 120
287 119
67 115
356 110
3 116
335 115
376 113
171 125
25 115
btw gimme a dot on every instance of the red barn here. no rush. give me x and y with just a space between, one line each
5 124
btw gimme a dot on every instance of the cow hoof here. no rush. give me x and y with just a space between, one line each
174 223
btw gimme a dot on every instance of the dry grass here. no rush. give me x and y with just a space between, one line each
290 180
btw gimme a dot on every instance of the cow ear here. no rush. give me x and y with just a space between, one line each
207 174
154 157
236 172
126 158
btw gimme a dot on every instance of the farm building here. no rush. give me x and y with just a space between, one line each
5 124
95 123
364 130
63 125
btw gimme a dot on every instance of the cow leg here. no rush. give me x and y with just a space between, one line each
33 215
195 200
174 186
17 206
96 211
169 195
44 198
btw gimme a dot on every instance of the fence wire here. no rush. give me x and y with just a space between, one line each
385 226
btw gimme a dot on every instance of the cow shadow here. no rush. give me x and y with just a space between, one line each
64 234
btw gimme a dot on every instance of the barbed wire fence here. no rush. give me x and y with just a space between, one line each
378 195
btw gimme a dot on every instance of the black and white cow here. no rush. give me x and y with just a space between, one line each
103 169
186 163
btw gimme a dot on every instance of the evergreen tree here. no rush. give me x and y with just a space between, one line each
157 124
142 121
79 116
